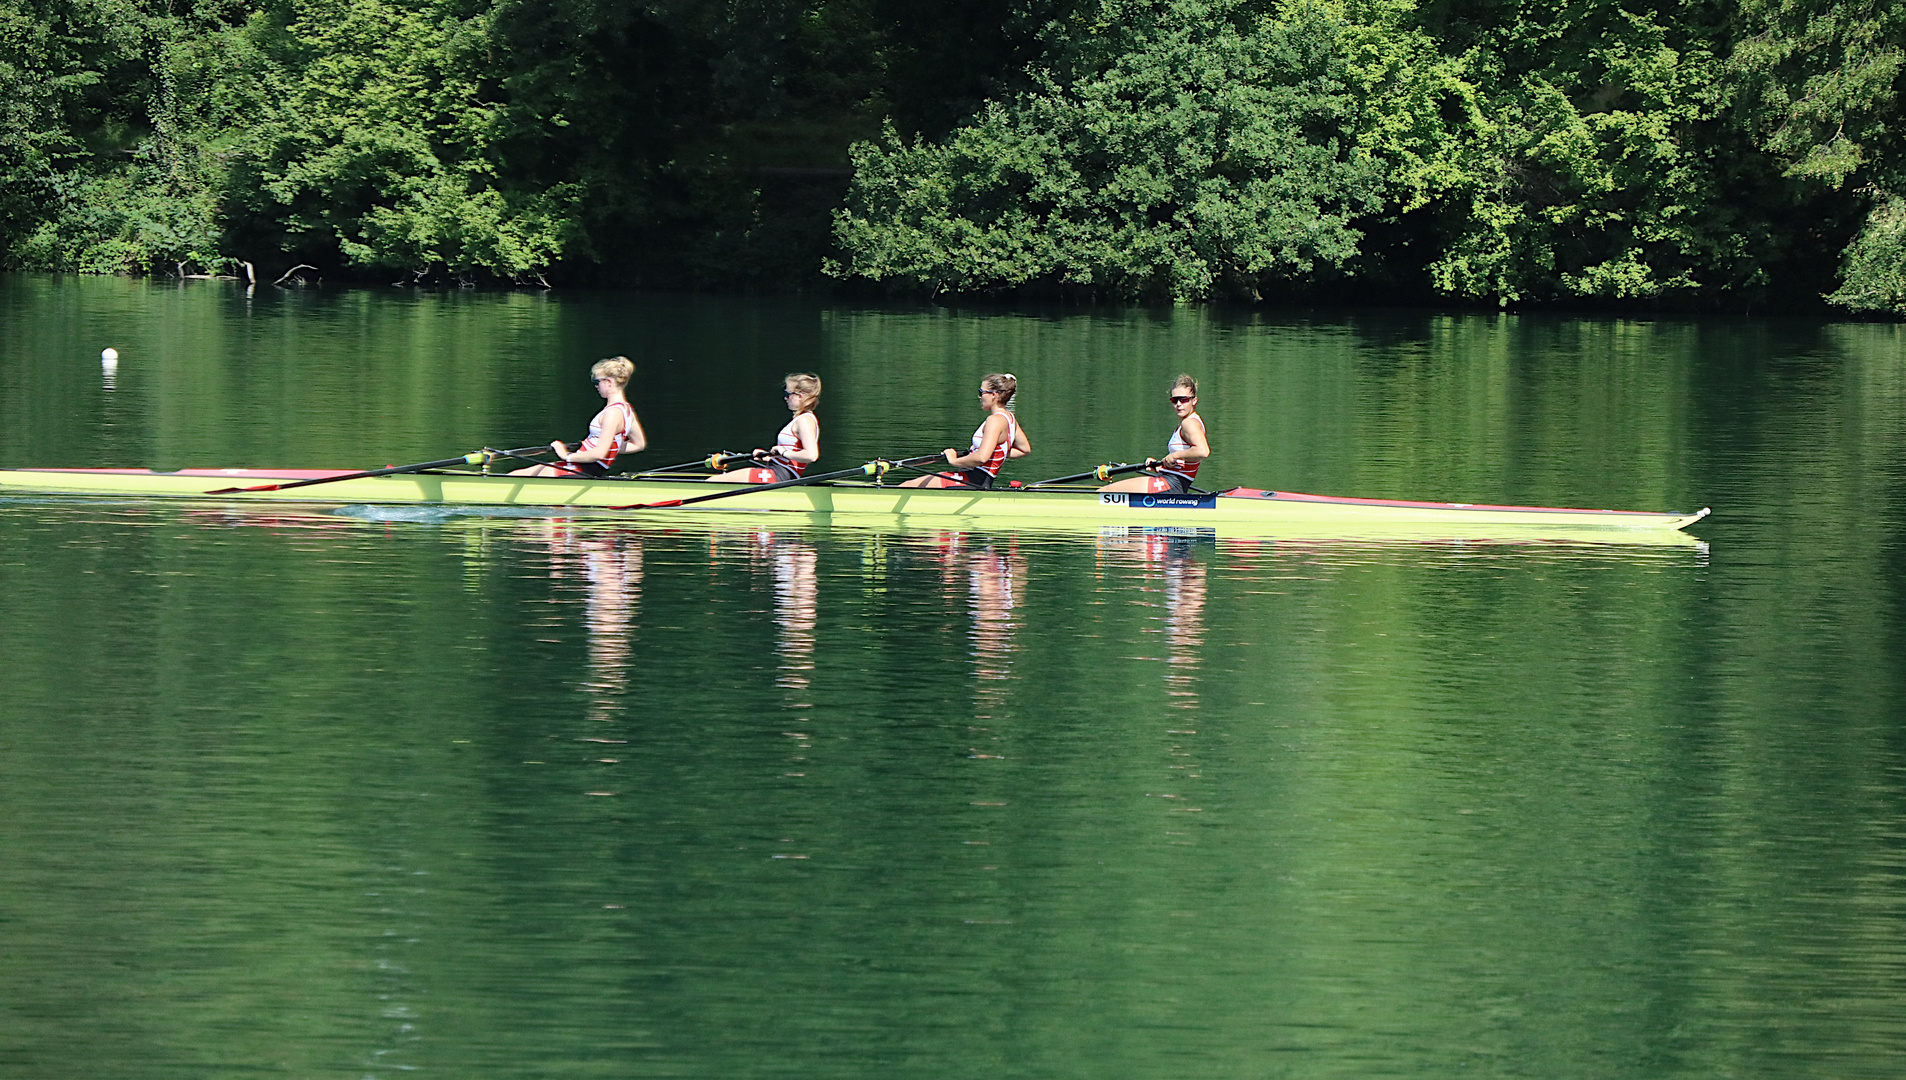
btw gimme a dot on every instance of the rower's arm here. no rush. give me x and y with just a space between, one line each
1021 445
1199 449
809 429
586 453
989 438
611 427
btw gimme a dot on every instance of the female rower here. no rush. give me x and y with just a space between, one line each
796 447
613 432
1187 448
997 438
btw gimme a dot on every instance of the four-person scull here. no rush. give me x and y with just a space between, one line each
949 485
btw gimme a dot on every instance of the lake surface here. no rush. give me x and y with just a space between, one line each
354 793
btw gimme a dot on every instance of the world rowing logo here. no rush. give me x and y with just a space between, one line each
1158 502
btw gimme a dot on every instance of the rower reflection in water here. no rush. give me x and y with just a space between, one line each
798 444
1173 570
794 562
614 431
792 565
994 577
607 563
997 438
996 581
1186 448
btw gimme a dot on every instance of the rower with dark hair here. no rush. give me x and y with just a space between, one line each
1186 450
997 438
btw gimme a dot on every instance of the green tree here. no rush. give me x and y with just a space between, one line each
1588 167
375 136
94 173
1198 148
1820 85
1529 150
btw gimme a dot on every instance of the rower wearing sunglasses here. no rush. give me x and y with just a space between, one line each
1186 450
614 431
997 438
798 444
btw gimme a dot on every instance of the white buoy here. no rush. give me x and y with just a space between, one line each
109 365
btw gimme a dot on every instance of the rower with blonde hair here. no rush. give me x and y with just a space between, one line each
1184 452
997 438
796 446
613 432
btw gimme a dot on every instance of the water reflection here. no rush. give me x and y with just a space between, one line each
793 562
996 584
607 562
1174 571
1264 865
790 562
993 575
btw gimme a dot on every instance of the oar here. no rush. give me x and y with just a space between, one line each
512 455
713 463
1101 474
475 458
876 467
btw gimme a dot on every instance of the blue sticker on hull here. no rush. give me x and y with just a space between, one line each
1158 502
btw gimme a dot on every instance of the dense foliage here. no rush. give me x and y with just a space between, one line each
1680 152
1489 151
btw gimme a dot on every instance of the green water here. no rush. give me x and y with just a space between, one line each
325 793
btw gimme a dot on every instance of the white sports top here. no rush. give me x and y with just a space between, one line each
1186 469
789 438
991 465
622 437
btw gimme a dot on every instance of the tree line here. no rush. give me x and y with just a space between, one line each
1664 153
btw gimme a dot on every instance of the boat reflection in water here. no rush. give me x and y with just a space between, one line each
1174 570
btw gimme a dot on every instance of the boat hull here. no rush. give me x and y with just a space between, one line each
1242 510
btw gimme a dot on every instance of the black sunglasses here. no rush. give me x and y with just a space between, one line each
1176 400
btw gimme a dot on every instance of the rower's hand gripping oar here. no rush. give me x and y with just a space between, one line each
876 468
1101 474
477 457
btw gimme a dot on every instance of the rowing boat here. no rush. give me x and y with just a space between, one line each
1239 511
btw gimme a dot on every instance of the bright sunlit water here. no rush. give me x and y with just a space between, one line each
356 792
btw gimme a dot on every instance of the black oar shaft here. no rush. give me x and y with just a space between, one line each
876 467
713 463
475 458
1101 474
513 455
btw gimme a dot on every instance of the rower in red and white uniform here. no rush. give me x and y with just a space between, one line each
798 444
613 432
1184 452
998 438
